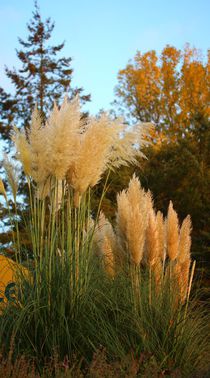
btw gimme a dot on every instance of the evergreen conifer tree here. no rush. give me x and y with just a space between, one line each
7 112
43 77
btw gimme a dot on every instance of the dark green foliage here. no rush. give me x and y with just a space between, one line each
181 172
115 182
8 107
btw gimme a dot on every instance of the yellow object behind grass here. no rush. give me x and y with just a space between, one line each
9 273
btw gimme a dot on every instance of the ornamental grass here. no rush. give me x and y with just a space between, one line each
123 286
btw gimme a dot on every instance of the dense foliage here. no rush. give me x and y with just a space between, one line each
172 90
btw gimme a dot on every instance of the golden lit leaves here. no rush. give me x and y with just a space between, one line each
169 90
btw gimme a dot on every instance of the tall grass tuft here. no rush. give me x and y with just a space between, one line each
124 288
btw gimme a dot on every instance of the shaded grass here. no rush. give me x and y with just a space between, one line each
68 306
161 335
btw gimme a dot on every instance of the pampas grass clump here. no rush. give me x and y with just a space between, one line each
142 238
123 286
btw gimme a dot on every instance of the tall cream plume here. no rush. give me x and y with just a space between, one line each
132 219
124 152
31 149
80 150
109 262
48 150
172 232
183 258
185 240
93 154
161 235
23 150
12 174
153 244
43 189
105 144
185 273
122 216
152 240
37 137
105 240
2 189
63 130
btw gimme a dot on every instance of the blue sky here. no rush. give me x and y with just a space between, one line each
102 35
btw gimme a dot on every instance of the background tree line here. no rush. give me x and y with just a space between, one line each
173 91
170 89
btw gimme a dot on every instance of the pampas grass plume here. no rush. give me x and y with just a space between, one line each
2 189
38 140
92 155
23 150
109 262
185 271
172 229
185 240
105 239
124 152
161 235
12 175
152 240
132 219
63 128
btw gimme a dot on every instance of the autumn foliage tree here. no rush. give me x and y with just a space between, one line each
171 89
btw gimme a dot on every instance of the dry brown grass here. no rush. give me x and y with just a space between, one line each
100 367
20 367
